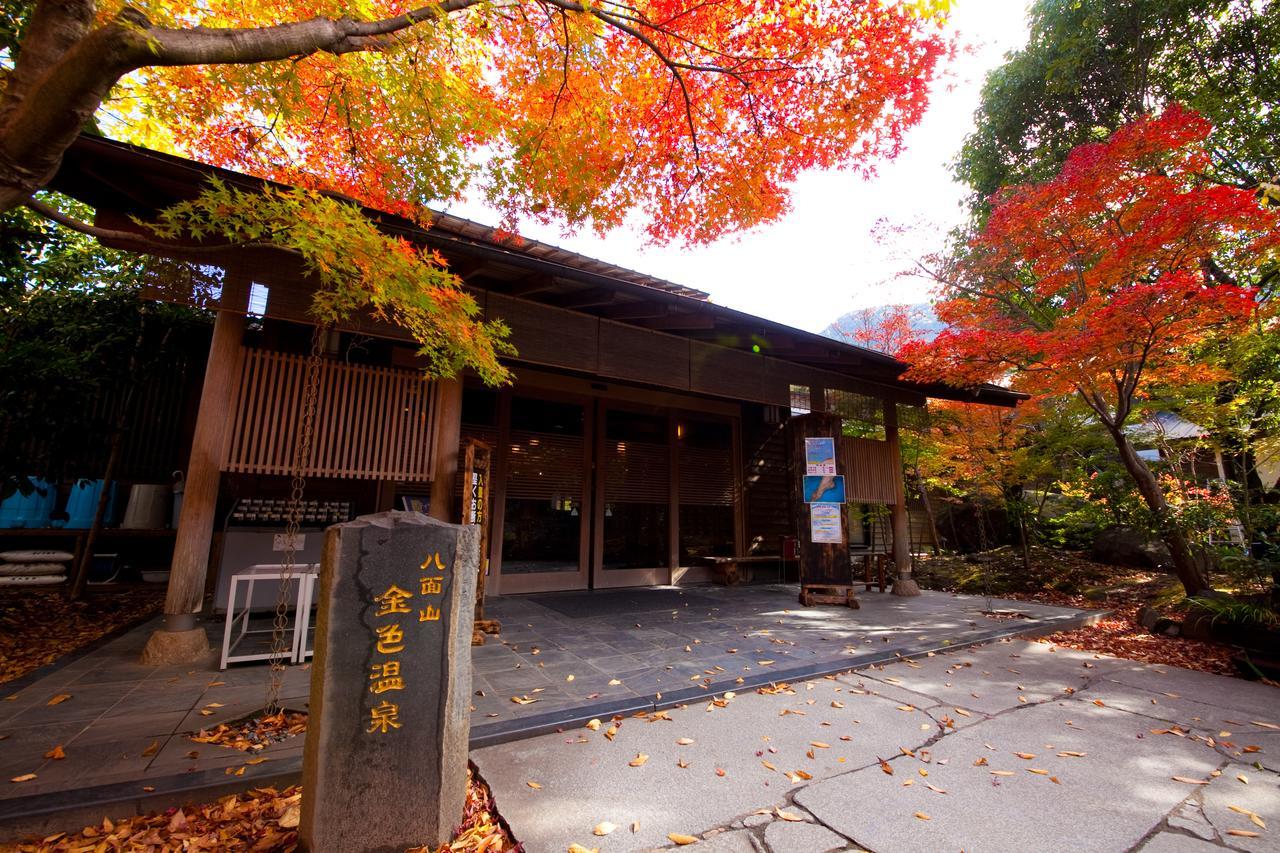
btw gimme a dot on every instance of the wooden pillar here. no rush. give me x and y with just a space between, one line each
448 419
903 584
180 641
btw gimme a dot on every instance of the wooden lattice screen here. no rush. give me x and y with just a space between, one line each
869 469
372 423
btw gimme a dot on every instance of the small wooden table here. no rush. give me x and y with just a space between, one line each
873 562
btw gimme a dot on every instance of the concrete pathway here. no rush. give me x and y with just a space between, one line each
570 657
1012 746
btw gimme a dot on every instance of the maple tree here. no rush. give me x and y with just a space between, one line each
696 115
1099 281
886 328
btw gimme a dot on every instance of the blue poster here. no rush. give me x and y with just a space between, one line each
824 490
820 456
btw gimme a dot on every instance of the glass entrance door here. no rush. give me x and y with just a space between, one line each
633 518
545 523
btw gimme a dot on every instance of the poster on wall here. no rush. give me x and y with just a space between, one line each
820 457
824 490
824 523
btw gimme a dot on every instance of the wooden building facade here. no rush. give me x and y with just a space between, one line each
644 430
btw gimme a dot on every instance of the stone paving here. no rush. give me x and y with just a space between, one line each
1010 746
126 725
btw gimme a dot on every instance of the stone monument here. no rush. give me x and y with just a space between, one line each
385 761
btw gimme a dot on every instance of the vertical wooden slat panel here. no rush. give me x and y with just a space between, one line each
370 422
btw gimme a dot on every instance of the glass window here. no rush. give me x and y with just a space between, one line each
637 490
705 456
542 529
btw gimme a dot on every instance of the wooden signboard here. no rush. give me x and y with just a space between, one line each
477 470
826 575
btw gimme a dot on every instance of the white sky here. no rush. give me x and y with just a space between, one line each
822 260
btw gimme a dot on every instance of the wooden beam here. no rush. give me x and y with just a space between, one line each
679 321
904 584
447 419
630 311
592 297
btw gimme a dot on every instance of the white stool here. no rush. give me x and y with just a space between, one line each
305 574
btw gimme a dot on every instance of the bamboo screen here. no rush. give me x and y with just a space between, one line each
372 423
637 472
869 469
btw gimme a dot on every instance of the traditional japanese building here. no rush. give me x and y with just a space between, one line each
643 434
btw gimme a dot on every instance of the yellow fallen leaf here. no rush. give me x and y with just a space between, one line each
1257 820
57 753
788 816
292 817
1002 773
603 828
613 682
1037 771
611 732
639 760
523 700
1190 781
923 816
25 777
578 848
256 761
1026 756
681 763
767 765
906 707
684 741
635 826
681 839
962 712
835 704
569 677
1242 833
1243 779
1265 725
59 699
819 744
807 776
534 785
1070 754
152 749
764 662
594 725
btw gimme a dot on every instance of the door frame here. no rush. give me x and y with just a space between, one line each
516 584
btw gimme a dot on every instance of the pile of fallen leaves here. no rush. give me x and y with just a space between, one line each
262 819
255 733
38 625
1069 579
1121 635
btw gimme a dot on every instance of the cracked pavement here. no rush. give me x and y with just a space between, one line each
1011 746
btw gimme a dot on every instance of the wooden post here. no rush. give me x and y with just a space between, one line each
826 575
903 584
180 640
448 420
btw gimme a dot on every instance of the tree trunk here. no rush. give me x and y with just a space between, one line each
1193 577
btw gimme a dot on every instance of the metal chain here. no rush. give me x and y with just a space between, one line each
293 515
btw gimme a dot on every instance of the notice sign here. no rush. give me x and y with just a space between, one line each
824 523
820 457
824 490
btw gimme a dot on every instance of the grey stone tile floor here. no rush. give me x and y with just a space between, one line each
1007 747
127 723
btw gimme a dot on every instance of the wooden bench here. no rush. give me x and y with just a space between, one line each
726 568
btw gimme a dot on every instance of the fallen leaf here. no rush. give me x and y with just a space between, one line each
1242 833
684 741
819 744
923 816
681 763
884 765
152 749
788 816
569 677
594 725
292 817
613 682
681 839
57 753
578 848
1070 754
59 699
603 828
720 771
1026 756
962 712
1002 773
521 700
1190 781
639 760
25 777
1037 771
611 732
537 786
